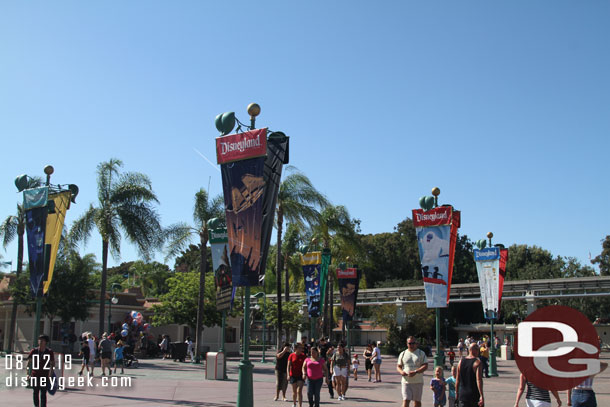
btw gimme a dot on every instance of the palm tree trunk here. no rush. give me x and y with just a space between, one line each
203 268
278 283
103 287
330 306
11 333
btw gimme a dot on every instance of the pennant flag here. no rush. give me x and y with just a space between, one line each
348 280
251 168
488 270
36 219
503 260
311 263
219 242
436 232
54 227
324 275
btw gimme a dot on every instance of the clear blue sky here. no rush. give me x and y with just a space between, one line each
503 105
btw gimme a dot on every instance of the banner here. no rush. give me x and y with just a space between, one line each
36 220
54 227
324 276
488 270
311 263
250 184
503 260
348 280
436 232
222 268
277 156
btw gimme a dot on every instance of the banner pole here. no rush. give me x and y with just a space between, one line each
222 342
245 393
438 358
493 367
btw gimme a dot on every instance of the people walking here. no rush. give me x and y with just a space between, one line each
368 364
412 363
295 374
355 365
41 360
281 366
330 351
451 355
164 345
376 359
451 387
339 364
92 351
583 394
437 385
189 348
314 370
469 380
118 357
461 347
105 348
85 354
535 396
484 356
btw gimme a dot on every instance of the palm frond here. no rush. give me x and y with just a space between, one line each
141 224
178 237
8 230
125 191
105 172
82 227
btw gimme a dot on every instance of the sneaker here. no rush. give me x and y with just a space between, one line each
369 379
275 399
338 397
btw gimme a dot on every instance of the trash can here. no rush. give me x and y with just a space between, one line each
215 366
178 351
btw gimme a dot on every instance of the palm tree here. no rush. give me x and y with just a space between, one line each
14 225
180 235
298 202
339 233
125 203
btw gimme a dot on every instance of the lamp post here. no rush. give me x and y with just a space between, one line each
113 300
493 367
438 357
55 200
258 295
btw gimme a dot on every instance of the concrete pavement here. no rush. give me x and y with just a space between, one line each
165 383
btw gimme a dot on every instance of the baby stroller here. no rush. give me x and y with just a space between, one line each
129 359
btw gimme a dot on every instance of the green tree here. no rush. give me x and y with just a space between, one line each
603 259
179 304
298 202
179 237
150 277
292 320
125 202
14 226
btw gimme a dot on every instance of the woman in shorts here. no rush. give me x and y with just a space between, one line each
295 374
339 365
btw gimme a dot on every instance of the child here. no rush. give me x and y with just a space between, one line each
437 385
451 385
189 348
451 354
355 364
118 357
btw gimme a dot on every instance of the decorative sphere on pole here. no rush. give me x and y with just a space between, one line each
436 191
48 169
253 110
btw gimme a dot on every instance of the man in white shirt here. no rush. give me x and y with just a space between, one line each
412 363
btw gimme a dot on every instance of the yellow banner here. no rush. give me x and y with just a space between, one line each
55 225
311 258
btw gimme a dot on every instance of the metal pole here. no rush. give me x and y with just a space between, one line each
222 341
493 367
245 393
110 315
37 326
264 327
438 358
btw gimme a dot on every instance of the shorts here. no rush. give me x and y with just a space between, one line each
412 391
280 381
106 355
377 361
119 362
296 379
537 403
85 361
340 371
355 367
583 398
368 365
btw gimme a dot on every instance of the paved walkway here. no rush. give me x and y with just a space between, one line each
166 383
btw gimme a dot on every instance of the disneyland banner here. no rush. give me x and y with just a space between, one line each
219 242
54 227
436 232
311 263
488 270
326 257
348 280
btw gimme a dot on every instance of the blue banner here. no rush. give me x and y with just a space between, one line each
36 221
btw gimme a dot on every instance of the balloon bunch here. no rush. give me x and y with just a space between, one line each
136 320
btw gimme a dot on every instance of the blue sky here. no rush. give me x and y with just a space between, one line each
503 105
